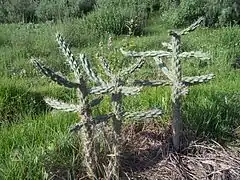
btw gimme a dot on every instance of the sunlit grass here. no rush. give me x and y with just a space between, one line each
37 145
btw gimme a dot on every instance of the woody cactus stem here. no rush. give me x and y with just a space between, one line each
176 90
116 101
117 126
87 130
84 110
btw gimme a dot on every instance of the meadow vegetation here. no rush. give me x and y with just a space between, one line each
35 141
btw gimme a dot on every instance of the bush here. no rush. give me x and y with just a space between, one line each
59 9
18 10
217 12
111 16
36 10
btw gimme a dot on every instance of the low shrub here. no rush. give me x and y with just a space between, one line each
217 12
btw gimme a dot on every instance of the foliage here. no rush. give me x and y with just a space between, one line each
36 10
216 12
18 10
57 10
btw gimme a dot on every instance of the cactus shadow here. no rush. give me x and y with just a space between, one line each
17 102
145 146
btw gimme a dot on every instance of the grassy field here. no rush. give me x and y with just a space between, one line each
35 142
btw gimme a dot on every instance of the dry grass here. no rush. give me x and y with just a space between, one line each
148 155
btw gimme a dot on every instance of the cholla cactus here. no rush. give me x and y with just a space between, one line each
87 123
118 81
178 83
116 87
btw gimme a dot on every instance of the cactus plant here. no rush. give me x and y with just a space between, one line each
120 90
87 123
116 87
179 84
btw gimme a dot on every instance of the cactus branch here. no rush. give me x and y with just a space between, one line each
54 76
197 79
196 54
69 55
152 83
163 67
153 113
192 27
61 105
145 54
128 91
101 89
105 66
87 68
132 68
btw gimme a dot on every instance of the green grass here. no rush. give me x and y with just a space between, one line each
37 147
39 144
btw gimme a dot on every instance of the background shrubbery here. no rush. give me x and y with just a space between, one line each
217 12
110 15
42 10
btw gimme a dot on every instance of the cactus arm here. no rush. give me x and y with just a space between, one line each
197 79
152 83
96 120
88 69
69 55
153 113
128 91
105 66
59 105
132 68
145 54
163 67
54 76
101 89
192 27
196 54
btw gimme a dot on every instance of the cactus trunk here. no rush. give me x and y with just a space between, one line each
117 124
176 91
88 149
87 134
